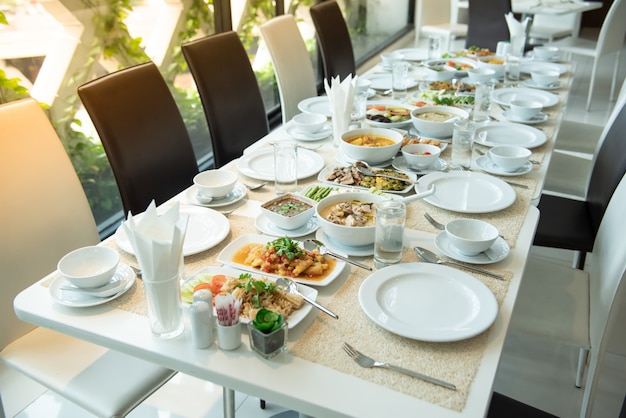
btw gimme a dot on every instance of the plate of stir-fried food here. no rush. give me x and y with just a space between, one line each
280 257
255 291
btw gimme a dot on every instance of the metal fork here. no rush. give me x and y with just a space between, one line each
365 361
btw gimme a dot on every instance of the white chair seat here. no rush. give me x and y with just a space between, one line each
578 137
568 175
77 369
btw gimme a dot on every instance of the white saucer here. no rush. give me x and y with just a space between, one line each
79 299
399 163
343 159
485 164
498 251
264 225
538 118
295 133
531 83
235 195
345 249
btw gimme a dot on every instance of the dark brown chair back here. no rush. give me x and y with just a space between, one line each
143 135
333 40
229 92
486 23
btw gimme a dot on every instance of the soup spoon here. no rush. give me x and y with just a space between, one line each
313 244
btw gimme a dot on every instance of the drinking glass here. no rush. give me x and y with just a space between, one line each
482 101
164 311
359 108
512 66
389 235
285 167
462 138
399 79
434 47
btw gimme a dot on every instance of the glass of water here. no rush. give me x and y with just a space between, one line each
462 139
285 166
390 219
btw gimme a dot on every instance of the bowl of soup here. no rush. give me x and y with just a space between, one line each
436 121
372 145
495 62
349 218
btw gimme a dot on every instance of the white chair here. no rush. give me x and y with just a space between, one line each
45 214
576 147
576 307
610 42
551 27
292 64
434 17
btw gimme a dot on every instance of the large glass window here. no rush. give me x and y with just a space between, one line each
49 47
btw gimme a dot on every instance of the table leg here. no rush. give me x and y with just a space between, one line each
229 402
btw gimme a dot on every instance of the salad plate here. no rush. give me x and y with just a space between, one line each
264 225
228 256
205 229
78 299
383 81
461 65
296 133
337 247
205 275
317 104
375 108
508 133
538 118
323 177
239 192
497 252
504 96
260 164
400 164
466 191
485 164
428 302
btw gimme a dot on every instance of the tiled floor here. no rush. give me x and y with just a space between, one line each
535 372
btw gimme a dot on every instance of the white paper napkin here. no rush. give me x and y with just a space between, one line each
158 241
341 96
517 33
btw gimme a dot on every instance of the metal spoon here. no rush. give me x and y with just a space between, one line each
431 257
313 244
205 200
255 186
365 169
290 286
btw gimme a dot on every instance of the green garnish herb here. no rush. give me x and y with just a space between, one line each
259 286
287 247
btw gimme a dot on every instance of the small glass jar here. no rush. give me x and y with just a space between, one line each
268 345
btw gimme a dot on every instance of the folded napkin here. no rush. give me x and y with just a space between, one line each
158 241
517 33
341 96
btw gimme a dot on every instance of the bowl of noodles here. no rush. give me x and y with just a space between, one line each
372 145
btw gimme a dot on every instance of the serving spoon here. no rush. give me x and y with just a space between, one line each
290 286
313 244
431 257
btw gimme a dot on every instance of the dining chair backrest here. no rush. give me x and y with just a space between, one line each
230 94
333 40
613 29
486 23
44 210
292 63
143 134
435 17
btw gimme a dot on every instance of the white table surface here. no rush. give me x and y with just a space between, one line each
548 7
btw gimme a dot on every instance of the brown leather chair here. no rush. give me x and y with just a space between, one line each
143 134
333 40
486 23
229 92
573 224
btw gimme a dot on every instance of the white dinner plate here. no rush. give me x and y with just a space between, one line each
80 300
323 175
264 225
531 83
260 164
228 253
466 191
508 133
399 163
317 104
530 66
485 164
401 124
428 302
414 54
334 246
292 320
205 229
538 118
504 96
296 133
383 81
239 192
497 252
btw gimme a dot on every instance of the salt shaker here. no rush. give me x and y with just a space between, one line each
202 323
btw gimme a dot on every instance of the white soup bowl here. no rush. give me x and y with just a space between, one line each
509 157
89 267
471 236
215 183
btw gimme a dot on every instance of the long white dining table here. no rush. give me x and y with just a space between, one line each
314 376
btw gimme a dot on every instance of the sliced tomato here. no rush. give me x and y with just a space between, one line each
201 286
216 283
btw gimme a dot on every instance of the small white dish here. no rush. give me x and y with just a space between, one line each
485 164
235 195
497 252
532 84
349 250
80 299
264 225
110 288
400 164
296 133
538 118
